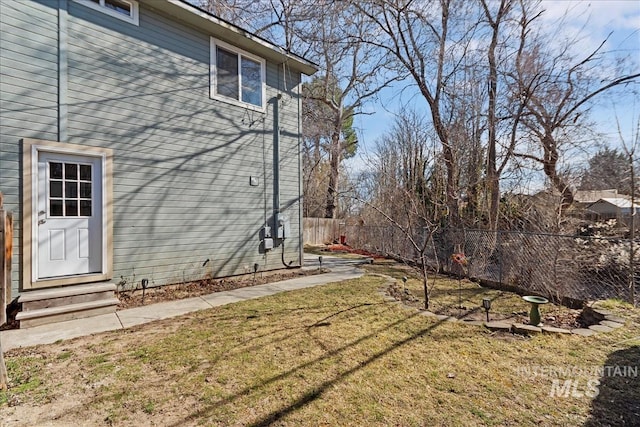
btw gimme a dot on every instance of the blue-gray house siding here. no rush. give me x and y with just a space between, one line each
193 176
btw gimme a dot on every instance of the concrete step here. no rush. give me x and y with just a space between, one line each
66 303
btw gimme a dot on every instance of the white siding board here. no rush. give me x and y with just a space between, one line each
30 127
38 86
28 116
15 104
41 54
32 23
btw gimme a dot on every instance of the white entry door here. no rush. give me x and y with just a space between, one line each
69 215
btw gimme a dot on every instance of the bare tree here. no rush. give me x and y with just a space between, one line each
557 90
318 145
493 177
401 192
424 40
607 169
352 72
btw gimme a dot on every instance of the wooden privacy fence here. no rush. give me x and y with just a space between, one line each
6 239
320 231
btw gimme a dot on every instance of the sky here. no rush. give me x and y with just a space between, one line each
593 20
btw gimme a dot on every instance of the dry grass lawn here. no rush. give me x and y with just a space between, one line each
332 355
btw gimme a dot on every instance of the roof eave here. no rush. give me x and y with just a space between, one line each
196 17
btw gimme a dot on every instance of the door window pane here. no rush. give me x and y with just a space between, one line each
71 189
55 208
85 172
85 207
70 208
70 171
68 195
55 170
55 189
85 190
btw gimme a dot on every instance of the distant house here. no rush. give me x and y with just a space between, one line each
143 139
584 198
613 208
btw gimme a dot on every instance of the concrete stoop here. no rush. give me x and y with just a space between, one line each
45 306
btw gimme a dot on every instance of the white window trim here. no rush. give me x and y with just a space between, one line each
133 19
241 53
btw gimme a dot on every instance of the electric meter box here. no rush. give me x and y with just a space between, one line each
284 226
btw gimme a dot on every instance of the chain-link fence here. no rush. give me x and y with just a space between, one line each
557 266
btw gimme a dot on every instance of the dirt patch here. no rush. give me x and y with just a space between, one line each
138 297
571 319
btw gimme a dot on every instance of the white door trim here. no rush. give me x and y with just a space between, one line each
31 150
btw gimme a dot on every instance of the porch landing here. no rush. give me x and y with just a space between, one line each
53 305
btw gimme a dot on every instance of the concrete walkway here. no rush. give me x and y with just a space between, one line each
341 269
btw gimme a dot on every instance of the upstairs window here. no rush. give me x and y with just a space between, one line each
127 10
236 76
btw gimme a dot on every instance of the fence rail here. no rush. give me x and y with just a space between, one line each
557 266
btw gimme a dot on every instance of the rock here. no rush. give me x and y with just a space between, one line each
428 314
498 326
611 324
520 328
616 319
600 328
552 330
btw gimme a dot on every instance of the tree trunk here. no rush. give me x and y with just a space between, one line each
550 164
334 175
425 283
493 185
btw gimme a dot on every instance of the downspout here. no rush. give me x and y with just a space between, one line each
300 177
63 70
276 160
276 176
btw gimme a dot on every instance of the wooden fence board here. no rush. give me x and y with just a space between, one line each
320 231
6 253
